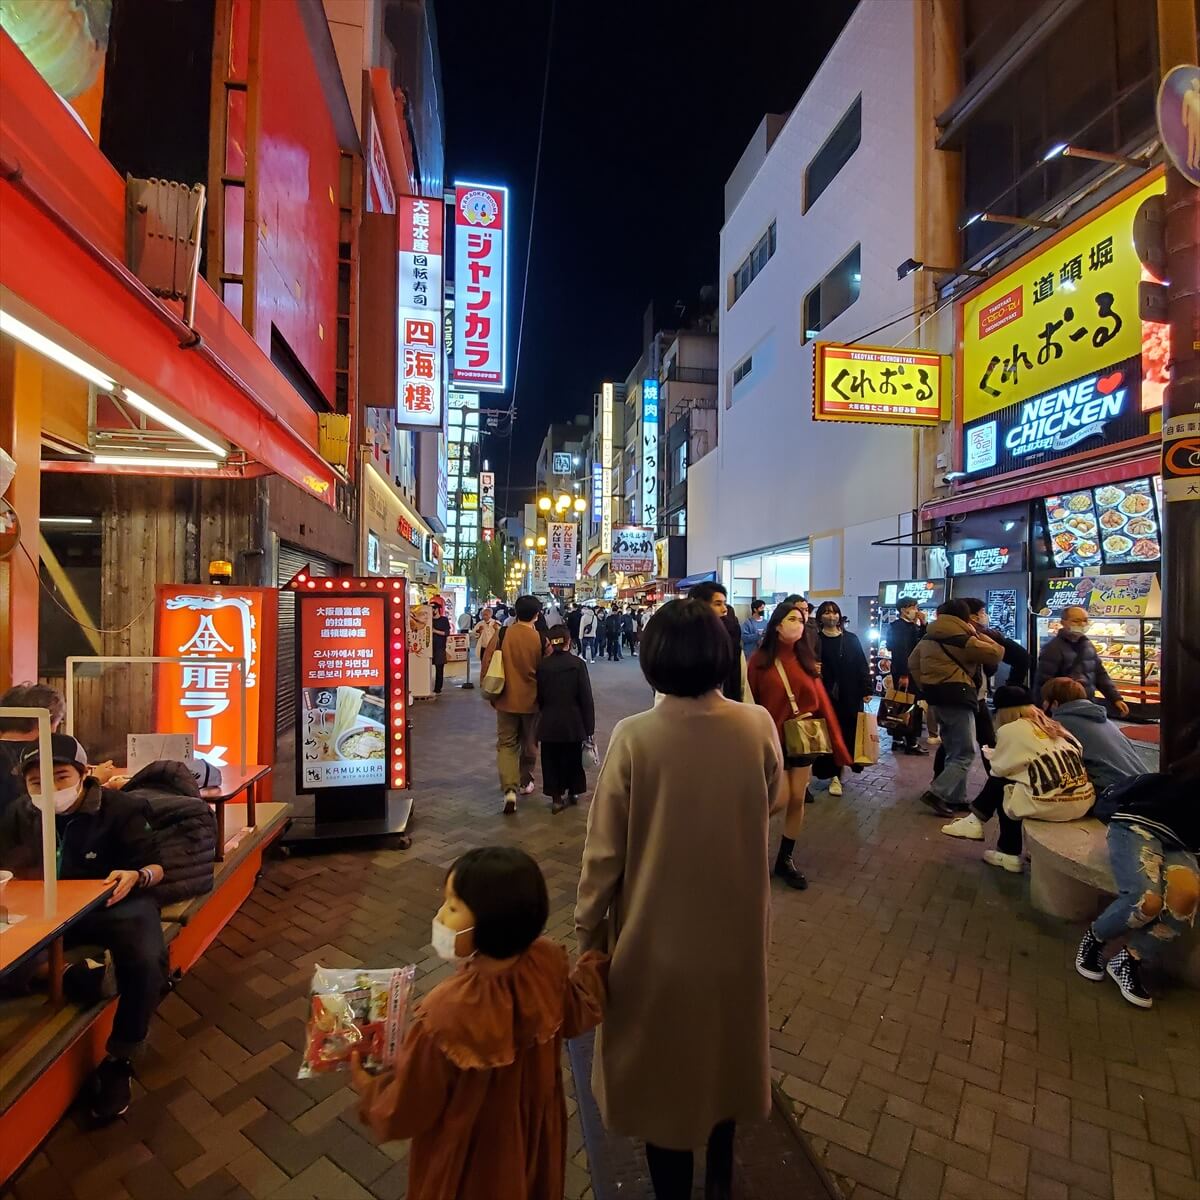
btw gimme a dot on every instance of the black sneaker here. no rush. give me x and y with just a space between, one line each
110 1088
787 871
1126 974
1088 958
920 751
938 805
557 804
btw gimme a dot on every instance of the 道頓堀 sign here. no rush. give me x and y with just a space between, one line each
877 385
481 281
1054 360
205 699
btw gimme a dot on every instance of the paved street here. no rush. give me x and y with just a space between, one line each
928 1026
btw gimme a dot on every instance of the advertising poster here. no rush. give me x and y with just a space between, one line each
1125 596
205 700
560 546
633 550
1062 594
1128 522
420 650
1073 528
1002 611
343 691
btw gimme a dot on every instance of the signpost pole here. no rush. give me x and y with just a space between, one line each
1180 644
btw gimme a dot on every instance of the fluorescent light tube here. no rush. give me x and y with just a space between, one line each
179 461
164 418
43 345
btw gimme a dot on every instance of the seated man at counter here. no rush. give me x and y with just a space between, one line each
101 834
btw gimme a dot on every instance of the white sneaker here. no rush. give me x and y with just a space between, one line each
934 740
1009 862
529 788
969 826
835 787
510 803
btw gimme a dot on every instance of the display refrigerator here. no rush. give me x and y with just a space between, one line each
885 609
1124 626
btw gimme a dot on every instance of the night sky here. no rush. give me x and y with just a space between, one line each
651 104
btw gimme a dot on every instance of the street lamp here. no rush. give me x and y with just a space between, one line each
541 542
545 503
563 502
529 543
580 504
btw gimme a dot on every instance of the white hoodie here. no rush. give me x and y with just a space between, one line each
1046 773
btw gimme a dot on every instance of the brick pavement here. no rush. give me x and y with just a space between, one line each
928 1027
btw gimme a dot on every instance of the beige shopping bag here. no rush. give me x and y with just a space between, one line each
866 739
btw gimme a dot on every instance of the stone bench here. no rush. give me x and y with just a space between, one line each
1070 877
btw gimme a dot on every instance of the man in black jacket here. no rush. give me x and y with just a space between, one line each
613 625
903 634
1071 654
104 835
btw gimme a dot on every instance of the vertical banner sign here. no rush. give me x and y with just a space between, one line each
540 582
606 452
650 454
561 540
597 491
205 700
481 285
487 504
351 692
419 223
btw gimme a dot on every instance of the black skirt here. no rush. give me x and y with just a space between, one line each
562 769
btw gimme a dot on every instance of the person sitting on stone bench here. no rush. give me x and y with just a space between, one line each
1153 837
1108 755
106 835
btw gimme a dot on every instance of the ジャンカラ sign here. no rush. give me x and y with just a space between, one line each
878 385
481 219
1054 360
419 226
205 699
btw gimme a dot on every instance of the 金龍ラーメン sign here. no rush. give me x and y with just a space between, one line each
419 223
1054 359
481 280
204 699
877 385
351 683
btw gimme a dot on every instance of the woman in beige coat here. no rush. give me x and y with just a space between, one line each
676 885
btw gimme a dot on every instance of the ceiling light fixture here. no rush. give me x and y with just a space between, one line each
65 520
182 462
52 350
164 418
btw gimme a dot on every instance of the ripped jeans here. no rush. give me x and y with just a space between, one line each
1159 884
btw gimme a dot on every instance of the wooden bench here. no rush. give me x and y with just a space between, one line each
44 1059
1070 877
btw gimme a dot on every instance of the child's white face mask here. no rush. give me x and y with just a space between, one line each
445 939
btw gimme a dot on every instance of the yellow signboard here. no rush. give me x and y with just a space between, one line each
1067 312
878 385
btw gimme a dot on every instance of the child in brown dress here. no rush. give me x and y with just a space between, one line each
477 1083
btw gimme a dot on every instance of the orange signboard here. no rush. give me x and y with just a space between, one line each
205 698
878 385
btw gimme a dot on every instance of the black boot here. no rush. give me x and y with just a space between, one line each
785 868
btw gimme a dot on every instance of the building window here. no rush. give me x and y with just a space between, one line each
753 263
834 155
833 295
743 369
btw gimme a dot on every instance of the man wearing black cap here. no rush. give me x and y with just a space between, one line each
101 834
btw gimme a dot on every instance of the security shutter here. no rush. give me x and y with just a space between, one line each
291 560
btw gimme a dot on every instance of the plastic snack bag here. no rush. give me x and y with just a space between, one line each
355 1011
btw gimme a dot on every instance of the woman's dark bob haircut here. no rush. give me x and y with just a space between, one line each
685 650
505 890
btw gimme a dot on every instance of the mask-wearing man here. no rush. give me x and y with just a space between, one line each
902 636
101 835
1071 654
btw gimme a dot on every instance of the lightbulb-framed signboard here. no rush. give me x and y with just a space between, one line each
352 737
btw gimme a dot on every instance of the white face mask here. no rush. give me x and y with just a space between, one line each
64 798
790 631
444 940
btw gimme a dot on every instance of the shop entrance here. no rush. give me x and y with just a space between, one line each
770 575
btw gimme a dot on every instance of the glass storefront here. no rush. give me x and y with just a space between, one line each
768 574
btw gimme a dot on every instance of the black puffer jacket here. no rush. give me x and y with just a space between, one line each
185 829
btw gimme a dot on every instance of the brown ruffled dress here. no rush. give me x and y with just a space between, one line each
477 1084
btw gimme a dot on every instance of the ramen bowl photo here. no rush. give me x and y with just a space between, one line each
366 740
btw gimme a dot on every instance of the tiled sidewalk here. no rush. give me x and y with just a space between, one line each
928 1026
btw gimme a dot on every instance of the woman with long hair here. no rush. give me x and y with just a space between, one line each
845 675
784 677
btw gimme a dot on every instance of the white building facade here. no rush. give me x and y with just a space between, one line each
818 213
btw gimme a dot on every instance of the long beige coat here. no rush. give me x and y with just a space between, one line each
676 884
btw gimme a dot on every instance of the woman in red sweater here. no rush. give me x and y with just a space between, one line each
784 644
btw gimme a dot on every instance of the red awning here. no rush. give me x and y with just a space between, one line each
1035 489
61 183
